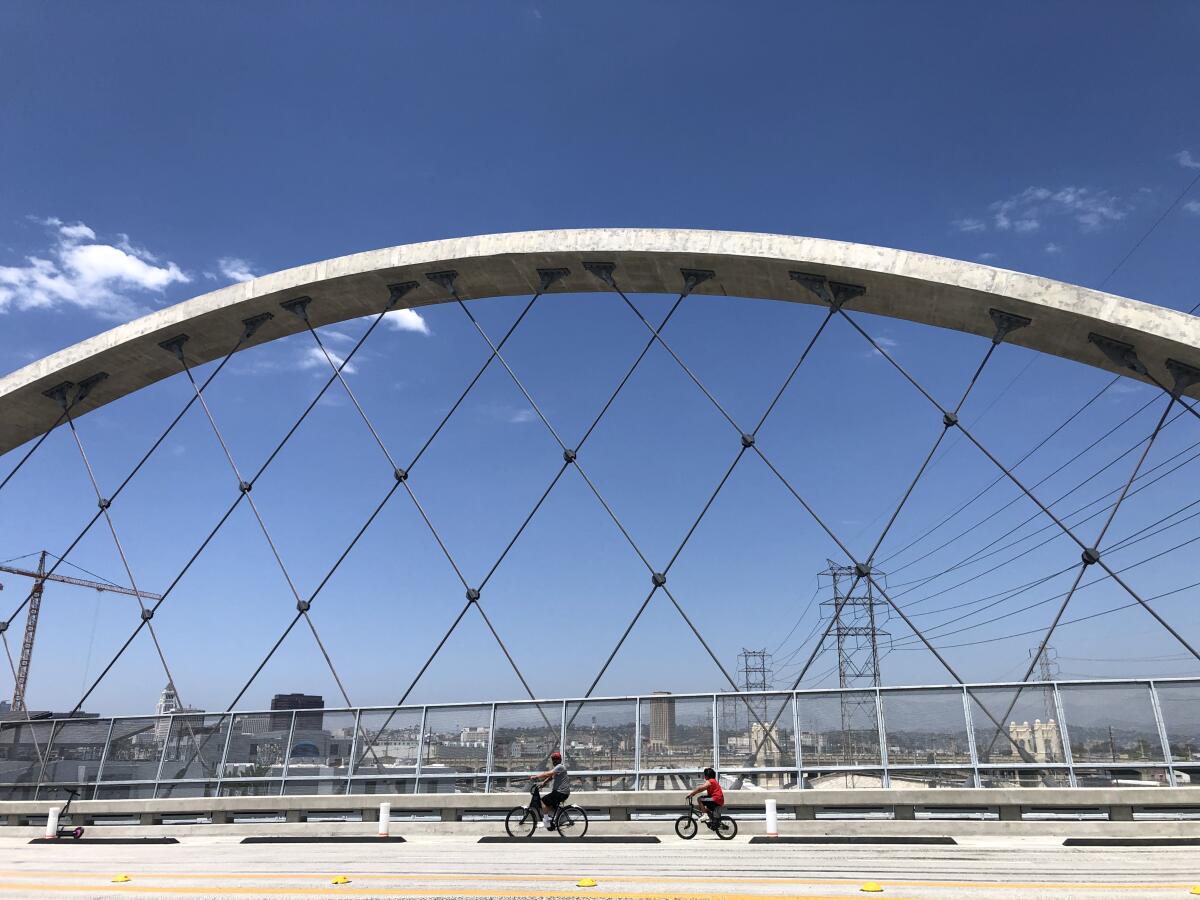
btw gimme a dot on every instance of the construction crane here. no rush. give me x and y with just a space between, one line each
41 576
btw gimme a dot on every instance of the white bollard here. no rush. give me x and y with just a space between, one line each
772 819
52 821
385 818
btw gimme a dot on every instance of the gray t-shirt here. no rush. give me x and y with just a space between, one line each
561 781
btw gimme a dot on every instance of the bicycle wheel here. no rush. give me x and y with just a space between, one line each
520 822
726 828
685 827
571 822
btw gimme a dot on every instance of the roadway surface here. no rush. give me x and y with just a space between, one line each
448 867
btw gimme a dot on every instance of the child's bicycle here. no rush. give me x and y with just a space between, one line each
687 824
569 821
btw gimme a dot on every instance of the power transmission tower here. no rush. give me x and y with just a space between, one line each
1048 670
856 633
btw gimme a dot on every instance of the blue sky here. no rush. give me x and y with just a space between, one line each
155 152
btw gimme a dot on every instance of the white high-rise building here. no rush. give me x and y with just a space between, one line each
168 703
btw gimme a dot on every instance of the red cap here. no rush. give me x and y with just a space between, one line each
556 756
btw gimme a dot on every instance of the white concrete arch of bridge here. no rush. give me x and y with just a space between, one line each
1138 340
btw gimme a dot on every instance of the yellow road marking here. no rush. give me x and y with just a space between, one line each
140 888
618 879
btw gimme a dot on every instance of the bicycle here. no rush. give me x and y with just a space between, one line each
687 825
570 821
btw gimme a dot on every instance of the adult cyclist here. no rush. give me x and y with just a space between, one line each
560 788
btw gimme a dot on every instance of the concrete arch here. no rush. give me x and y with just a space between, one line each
922 288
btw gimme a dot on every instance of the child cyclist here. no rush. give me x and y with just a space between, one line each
715 799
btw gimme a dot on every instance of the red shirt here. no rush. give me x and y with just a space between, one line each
714 791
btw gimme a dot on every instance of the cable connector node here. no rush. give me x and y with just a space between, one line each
568 455
949 420
659 579
244 486
472 595
303 606
1091 556
401 475
747 441
862 570
104 503
147 615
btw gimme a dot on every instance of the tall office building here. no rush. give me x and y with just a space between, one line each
305 721
662 720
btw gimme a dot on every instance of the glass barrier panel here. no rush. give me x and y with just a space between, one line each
186 789
843 780
838 729
586 781
677 733
1180 705
23 748
680 781
125 790
134 752
1023 778
601 736
257 747
313 788
1111 723
756 731
1016 725
525 735
734 779
389 741
322 749
921 779
456 741
250 788
925 727
1104 776
74 756
461 784
383 786
195 744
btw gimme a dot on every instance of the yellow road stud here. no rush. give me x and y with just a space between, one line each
871 887
341 879
1195 889
586 882
121 879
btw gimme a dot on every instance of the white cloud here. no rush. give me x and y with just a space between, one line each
970 224
522 416
1053 248
1185 159
1090 209
406 320
235 269
986 257
314 358
1192 206
77 271
885 343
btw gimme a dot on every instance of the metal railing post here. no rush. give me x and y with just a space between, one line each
225 750
103 759
1168 758
1065 738
287 752
55 727
351 763
882 732
489 758
562 730
716 736
637 743
420 750
796 739
162 757
971 748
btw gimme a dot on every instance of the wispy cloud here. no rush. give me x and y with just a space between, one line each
885 343
522 416
1192 206
1185 159
314 358
235 269
110 279
1053 248
407 320
1029 211
986 257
